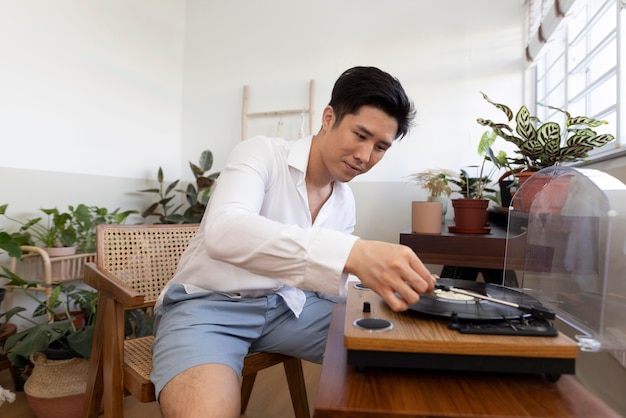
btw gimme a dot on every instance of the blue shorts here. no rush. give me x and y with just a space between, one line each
202 328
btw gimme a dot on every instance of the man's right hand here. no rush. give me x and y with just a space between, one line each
391 270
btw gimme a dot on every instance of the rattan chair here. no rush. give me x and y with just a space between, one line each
133 263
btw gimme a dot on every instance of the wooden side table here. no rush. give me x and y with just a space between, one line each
464 250
465 255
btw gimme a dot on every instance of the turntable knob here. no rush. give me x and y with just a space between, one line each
367 308
374 324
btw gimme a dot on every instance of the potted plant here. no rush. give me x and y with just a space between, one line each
74 228
196 196
470 211
56 347
85 220
67 237
59 331
544 144
12 248
426 217
56 232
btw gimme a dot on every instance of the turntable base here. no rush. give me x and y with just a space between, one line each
423 342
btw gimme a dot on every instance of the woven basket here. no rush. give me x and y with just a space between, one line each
56 388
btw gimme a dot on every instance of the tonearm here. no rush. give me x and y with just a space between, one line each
535 311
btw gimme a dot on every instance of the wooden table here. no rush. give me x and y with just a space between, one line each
345 392
464 250
465 255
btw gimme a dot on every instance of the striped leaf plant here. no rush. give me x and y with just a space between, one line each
544 144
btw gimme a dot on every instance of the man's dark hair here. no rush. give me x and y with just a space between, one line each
370 86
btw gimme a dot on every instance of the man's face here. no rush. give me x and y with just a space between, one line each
358 143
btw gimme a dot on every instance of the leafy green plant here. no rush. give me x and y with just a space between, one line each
58 331
57 230
85 220
196 195
478 187
546 144
138 322
473 187
76 227
9 244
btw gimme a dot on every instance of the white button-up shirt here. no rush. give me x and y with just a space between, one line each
257 236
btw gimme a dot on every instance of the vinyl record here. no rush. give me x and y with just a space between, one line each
447 304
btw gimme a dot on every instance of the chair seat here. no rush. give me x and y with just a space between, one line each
138 366
138 363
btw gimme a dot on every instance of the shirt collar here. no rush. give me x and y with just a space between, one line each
299 154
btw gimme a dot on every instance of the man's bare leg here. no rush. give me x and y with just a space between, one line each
209 390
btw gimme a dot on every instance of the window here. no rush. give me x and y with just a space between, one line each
578 67
576 50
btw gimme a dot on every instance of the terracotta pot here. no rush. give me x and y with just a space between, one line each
523 176
62 407
509 187
426 217
56 388
78 318
530 189
470 214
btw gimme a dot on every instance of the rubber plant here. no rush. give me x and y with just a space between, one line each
196 195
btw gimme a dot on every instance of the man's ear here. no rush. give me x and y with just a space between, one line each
328 117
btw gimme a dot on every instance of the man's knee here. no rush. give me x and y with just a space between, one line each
208 390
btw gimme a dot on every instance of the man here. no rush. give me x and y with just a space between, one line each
274 244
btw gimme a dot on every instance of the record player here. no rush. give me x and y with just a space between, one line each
569 252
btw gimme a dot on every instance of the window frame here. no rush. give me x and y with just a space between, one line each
556 51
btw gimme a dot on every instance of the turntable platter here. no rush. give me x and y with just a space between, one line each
447 304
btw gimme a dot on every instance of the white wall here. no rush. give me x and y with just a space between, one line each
91 87
119 88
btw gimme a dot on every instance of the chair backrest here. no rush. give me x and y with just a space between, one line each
144 257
